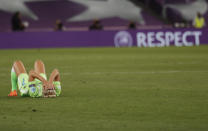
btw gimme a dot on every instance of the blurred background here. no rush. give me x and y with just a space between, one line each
49 15
102 23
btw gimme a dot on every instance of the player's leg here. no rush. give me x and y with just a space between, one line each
40 68
17 69
22 78
14 83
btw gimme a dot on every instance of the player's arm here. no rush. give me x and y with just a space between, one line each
33 75
48 89
55 80
55 76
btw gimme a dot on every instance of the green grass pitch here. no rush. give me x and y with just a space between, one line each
112 89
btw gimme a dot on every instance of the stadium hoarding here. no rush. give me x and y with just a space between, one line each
163 37
127 38
167 38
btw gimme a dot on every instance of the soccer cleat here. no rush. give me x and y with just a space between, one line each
13 93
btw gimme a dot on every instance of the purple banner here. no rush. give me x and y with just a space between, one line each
128 38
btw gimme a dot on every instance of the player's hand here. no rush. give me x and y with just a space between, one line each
48 90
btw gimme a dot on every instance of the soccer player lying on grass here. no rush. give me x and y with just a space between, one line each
36 84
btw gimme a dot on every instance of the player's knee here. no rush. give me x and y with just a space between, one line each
18 62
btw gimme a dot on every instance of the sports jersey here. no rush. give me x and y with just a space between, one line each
33 88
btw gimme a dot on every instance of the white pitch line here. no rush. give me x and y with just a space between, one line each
117 65
137 72
123 73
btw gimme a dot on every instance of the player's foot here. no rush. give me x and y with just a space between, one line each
13 93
